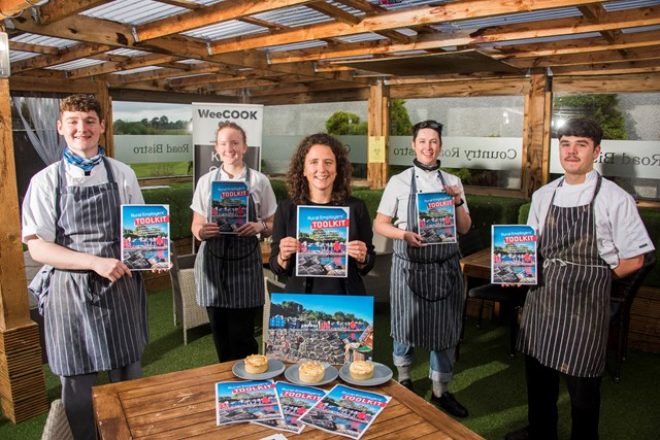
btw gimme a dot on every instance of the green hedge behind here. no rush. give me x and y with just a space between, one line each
485 211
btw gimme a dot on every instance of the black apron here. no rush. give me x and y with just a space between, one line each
566 317
229 268
91 323
426 289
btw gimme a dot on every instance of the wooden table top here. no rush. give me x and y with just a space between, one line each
477 265
181 405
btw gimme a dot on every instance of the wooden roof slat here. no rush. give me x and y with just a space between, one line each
577 46
336 13
550 28
66 55
133 63
33 48
53 10
637 54
224 11
414 16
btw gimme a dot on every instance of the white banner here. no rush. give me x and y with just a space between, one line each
153 148
206 119
496 153
640 159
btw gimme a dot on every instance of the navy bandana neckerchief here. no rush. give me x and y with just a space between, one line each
434 167
85 164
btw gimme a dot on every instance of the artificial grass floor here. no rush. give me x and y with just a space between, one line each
487 381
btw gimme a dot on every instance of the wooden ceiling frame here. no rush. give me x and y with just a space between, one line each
614 49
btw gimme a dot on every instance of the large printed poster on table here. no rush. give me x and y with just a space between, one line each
513 255
323 237
336 329
145 237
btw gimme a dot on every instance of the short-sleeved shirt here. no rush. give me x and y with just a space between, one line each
260 190
620 232
394 202
39 213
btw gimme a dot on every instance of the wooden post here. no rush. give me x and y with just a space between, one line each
106 105
22 382
379 118
536 133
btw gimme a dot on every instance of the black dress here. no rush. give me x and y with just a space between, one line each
285 225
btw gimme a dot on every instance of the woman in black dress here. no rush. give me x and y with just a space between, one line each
320 175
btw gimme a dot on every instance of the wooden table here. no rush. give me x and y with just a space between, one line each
181 405
477 265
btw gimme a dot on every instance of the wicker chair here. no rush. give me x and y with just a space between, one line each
184 301
57 424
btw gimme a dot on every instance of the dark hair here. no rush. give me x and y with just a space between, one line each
582 127
230 124
297 184
430 123
81 103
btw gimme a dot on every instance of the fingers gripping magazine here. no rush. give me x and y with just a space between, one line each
436 217
238 402
513 255
346 411
323 238
229 205
145 238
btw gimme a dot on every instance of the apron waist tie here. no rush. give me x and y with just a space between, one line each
564 263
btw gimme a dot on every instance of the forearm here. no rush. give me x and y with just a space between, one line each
383 226
60 257
463 220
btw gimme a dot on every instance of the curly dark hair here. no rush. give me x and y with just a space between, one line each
81 103
297 184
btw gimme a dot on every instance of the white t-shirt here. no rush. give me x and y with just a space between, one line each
394 202
39 213
620 232
260 190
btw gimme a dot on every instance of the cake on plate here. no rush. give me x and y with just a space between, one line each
361 370
311 372
256 364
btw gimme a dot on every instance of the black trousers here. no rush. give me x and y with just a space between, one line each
542 395
233 332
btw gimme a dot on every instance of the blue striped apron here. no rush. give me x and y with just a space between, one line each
426 289
566 317
91 323
229 268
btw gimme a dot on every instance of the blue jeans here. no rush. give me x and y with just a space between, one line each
442 361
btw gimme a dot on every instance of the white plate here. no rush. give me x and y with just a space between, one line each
382 374
275 368
291 375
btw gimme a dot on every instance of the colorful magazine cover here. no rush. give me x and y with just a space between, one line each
346 411
335 329
295 401
229 205
323 237
436 217
513 255
238 402
145 237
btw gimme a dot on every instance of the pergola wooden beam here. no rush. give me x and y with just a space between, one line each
422 15
65 55
224 11
53 11
632 18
